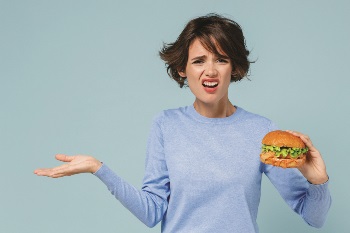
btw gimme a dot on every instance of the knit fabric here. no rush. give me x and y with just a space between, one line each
204 175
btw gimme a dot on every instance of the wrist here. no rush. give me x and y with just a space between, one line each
318 181
95 165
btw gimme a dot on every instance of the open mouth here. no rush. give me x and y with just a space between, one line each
210 84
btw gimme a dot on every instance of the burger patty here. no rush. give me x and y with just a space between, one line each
271 153
270 158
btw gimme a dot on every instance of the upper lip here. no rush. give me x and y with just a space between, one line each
210 80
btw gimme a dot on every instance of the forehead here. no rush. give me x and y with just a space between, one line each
197 47
202 47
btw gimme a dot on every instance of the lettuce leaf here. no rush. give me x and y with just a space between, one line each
284 151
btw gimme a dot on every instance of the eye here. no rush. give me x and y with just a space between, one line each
199 61
222 60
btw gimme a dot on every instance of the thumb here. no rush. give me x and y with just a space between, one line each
64 158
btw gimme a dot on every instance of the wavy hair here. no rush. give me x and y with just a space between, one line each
215 32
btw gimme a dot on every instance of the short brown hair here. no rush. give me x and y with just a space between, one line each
213 31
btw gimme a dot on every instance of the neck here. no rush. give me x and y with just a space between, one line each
220 110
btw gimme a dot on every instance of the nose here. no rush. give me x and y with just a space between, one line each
211 71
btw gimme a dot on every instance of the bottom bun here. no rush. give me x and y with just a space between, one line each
270 158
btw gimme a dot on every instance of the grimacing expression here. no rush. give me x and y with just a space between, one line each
208 75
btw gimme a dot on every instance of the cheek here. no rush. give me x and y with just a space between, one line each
192 83
195 74
228 74
192 69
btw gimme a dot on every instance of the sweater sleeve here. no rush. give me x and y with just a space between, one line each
150 203
310 201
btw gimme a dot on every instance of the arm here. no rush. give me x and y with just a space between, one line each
148 204
148 207
305 190
310 201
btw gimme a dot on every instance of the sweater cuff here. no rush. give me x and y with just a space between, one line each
318 191
107 176
100 170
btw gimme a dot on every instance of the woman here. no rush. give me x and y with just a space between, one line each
203 172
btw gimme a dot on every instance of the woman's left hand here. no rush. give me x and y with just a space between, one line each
314 169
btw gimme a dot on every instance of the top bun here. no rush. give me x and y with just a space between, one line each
282 139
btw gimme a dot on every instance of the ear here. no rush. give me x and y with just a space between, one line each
182 73
235 72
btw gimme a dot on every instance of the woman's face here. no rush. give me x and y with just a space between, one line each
208 75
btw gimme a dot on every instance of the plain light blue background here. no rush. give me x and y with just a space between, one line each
84 77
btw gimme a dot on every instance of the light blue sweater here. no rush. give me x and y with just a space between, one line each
204 175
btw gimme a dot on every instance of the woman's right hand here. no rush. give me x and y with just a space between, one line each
73 165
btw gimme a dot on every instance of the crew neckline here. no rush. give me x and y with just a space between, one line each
192 112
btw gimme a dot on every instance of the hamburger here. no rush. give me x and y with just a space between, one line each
283 149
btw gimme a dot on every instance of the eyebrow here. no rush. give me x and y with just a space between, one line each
199 57
204 56
223 56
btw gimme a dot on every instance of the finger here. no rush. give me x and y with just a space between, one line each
64 158
36 171
305 138
307 142
47 171
295 133
42 172
53 172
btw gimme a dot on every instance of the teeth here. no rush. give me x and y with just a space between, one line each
210 84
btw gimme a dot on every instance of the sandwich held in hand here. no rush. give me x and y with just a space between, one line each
283 149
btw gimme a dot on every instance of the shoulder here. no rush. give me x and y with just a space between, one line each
170 116
256 120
